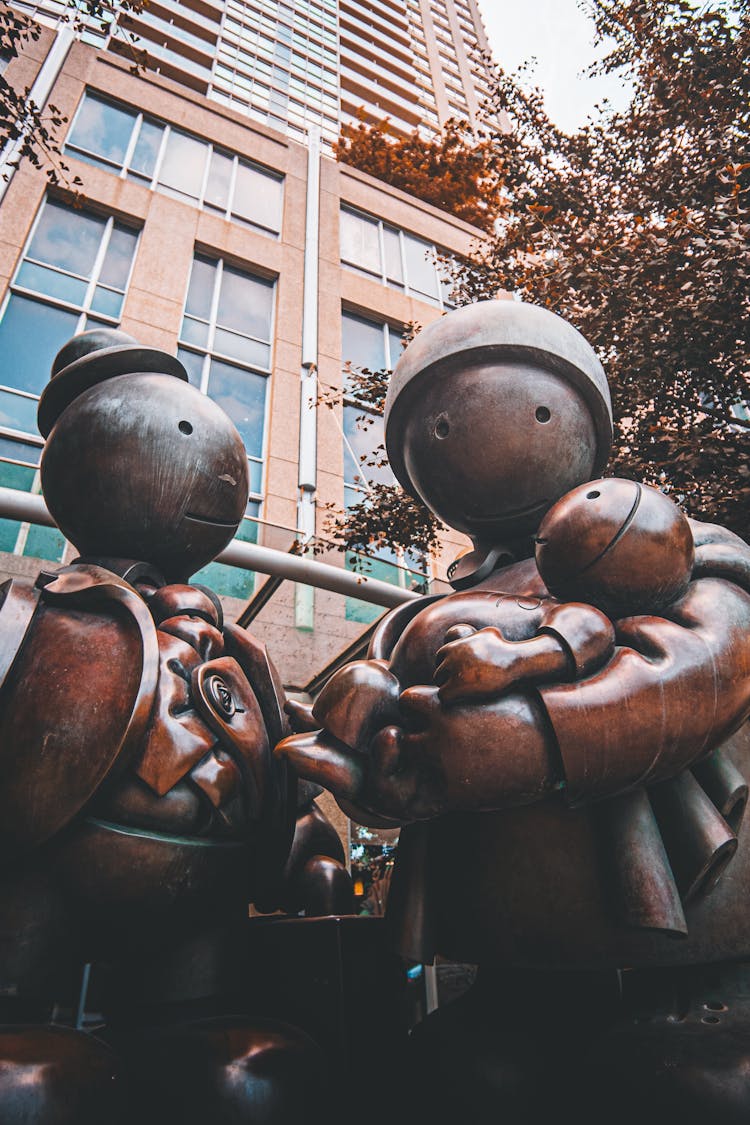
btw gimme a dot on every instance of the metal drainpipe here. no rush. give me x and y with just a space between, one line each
304 596
39 93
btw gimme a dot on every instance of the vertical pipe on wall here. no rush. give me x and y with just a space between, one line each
304 598
39 94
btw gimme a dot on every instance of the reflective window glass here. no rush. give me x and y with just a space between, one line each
395 345
219 180
103 129
420 266
31 334
404 261
67 238
195 332
242 347
119 257
52 282
16 412
362 343
393 266
147 149
34 328
242 394
364 439
201 289
257 198
107 302
360 242
227 331
245 304
192 363
184 164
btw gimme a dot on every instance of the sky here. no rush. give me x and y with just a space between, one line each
561 38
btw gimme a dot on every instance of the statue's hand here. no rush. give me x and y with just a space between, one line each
475 664
363 755
399 758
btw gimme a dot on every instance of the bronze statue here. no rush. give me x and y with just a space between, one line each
564 739
141 807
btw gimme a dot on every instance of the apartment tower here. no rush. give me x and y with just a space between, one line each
215 223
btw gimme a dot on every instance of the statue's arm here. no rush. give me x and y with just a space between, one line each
673 690
572 641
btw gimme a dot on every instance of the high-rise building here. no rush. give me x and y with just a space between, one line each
295 63
215 224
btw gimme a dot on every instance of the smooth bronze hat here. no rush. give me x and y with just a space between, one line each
496 331
90 358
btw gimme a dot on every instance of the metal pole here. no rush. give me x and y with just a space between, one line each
17 505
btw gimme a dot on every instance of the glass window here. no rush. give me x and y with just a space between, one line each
171 160
103 130
230 580
219 181
360 242
201 288
226 347
420 267
401 260
229 313
257 198
242 395
245 303
375 346
70 246
183 165
363 343
146 152
394 270
76 264
31 335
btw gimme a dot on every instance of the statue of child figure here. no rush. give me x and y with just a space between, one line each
606 550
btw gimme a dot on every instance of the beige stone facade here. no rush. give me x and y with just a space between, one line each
171 231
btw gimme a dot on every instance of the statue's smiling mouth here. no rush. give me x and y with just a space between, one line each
196 517
513 513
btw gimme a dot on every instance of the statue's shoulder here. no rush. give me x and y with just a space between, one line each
719 553
80 667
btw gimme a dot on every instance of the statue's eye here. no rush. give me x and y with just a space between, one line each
543 414
220 695
442 427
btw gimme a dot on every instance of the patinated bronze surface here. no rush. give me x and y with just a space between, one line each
142 808
564 737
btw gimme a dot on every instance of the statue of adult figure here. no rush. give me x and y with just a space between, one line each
570 770
141 807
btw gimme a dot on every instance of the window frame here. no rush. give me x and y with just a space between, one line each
207 352
125 172
382 276
83 310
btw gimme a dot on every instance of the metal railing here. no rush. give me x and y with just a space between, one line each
28 508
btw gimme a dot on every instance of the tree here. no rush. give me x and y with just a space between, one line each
461 171
636 229
35 129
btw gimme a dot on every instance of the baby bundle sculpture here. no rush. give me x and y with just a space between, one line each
141 807
564 739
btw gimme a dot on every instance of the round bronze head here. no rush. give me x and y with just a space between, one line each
493 412
619 545
144 466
